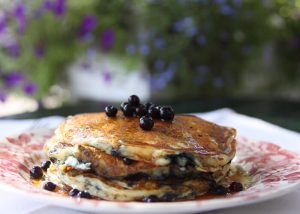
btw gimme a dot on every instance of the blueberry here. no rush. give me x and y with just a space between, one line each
49 186
122 105
219 190
111 111
158 107
147 105
73 192
166 113
168 197
36 172
84 194
128 110
151 198
236 187
141 111
53 160
146 123
154 112
134 100
115 153
45 165
127 161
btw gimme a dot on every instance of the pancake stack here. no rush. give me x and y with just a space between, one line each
112 158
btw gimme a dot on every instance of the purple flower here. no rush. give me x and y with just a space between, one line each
2 96
30 88
91 53
107 77
85 65
178 27
2 24
39 12
220 1
202 70
59 7
39 51
218 82
191 31
88 24
226 10
13 79
237 2
201 40
20 15
160 80
159 43
159 64
130 49
186 26
13 50
144 49
48 5
107 39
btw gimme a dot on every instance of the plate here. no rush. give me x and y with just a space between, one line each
274 171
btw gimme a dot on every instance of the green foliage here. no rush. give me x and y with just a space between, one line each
194 47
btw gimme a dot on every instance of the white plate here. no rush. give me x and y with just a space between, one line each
274 172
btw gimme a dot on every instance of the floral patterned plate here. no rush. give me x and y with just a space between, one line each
274 171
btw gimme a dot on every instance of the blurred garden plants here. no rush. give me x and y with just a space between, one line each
190 47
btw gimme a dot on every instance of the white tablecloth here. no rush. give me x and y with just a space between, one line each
246 126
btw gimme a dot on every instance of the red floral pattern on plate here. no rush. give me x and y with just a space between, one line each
274 171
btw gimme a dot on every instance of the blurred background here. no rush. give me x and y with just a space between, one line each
196 54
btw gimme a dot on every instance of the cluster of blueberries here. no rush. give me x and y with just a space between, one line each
37 172
147 112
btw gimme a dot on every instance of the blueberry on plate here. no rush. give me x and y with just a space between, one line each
45 165
49 186
151 198
84 194
36 172
219 190
236 187
73 192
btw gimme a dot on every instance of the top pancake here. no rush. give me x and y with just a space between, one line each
190 135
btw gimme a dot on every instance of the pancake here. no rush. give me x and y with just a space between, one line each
208 145
112 158
120 190
100 163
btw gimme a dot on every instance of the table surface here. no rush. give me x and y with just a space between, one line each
285 113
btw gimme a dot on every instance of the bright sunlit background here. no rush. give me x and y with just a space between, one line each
57 52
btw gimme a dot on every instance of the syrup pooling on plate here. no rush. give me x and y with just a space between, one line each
143 153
